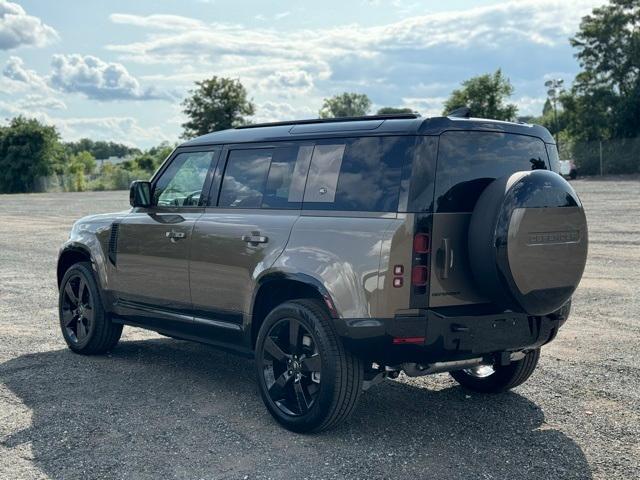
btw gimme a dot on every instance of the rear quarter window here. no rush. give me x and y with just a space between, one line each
469 161
554 158
357 174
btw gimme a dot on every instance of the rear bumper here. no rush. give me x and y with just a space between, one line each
437 336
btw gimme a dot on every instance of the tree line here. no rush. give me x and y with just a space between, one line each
31 150
601 105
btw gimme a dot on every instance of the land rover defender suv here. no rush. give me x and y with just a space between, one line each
340 252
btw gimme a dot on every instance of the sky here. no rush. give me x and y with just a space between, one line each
119 70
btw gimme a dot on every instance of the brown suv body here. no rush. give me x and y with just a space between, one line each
370 217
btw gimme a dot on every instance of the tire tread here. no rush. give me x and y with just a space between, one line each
106 333
505 378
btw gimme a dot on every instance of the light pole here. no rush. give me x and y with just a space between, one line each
554 86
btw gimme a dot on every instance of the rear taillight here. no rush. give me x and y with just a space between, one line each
419 276
421 243
420 269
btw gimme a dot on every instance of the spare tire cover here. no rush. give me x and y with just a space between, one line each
528 242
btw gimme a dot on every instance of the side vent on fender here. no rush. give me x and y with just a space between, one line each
113 243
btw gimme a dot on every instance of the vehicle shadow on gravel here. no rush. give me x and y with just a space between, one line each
163 408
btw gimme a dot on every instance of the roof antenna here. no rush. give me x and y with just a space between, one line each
462 112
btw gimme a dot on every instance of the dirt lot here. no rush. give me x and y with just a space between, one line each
161 408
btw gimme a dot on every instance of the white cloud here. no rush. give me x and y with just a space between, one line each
125 130
543 22
19 29
98 79
279 111
529 105
15 70
88 75
119 129
287 83
35 101
527 38
31 106
281 15
428 106
160 22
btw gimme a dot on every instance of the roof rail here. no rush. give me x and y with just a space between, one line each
333 120
462 112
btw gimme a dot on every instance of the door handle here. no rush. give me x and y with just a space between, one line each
255 238
175 236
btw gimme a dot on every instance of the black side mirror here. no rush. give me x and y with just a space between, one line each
140 194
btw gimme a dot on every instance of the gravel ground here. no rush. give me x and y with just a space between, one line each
162 408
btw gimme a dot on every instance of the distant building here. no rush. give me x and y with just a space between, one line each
112 161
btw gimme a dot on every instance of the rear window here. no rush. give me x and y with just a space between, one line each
265 177
469 161
243 185
356 174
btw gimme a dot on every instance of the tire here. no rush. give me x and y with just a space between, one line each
503 377
573 174
313 383
86 327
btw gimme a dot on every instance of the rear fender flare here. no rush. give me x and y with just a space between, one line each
270 276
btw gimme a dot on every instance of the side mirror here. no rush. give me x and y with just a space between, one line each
140 194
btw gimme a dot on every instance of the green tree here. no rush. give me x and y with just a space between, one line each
82 162
216 104
393 110
160 153
151 159
486 96
605 99
145 162
100 149
28 150
345 105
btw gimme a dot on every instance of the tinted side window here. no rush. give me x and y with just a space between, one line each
287 177
469 161
554 158
180 185
245 175
419 175
356 174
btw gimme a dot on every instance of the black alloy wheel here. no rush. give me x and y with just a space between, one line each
308 380
86 327
78 316
291 367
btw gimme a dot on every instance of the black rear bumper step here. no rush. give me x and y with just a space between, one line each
446 337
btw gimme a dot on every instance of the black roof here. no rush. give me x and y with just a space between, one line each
375 125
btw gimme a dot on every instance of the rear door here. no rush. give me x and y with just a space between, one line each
467 162
256 200
153 244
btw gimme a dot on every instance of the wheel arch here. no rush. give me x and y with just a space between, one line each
275 288
70 255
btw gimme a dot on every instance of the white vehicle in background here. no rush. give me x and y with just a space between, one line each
568 169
